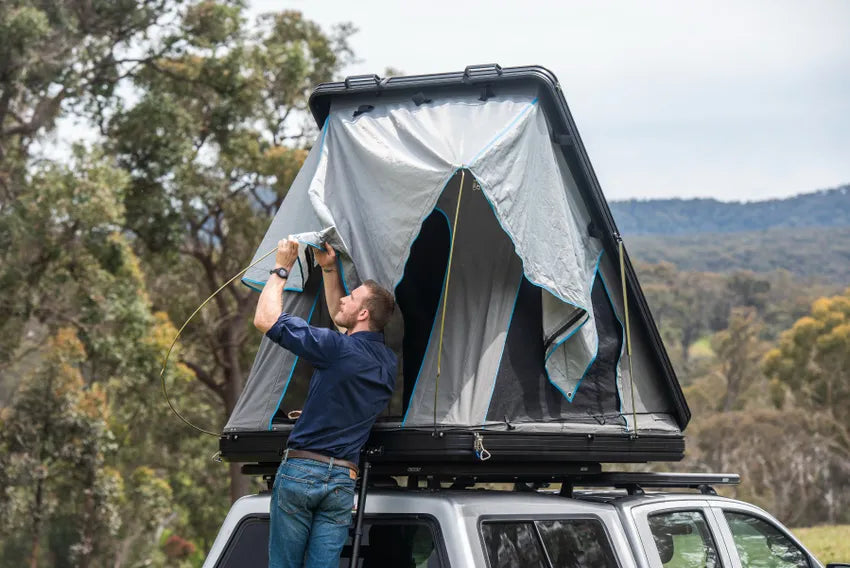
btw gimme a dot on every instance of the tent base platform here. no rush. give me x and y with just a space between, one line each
403 448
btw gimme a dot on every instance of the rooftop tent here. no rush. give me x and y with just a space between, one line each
470 189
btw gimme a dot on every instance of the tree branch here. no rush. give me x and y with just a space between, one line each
204 377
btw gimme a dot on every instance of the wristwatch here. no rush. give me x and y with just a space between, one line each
280 271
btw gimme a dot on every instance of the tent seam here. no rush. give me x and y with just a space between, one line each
504 130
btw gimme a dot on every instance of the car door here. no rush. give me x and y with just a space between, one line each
756 539
681 533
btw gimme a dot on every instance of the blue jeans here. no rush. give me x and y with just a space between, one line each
310 514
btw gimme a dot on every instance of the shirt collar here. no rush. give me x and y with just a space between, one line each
369 335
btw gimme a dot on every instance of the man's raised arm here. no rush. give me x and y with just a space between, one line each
270 304
332 279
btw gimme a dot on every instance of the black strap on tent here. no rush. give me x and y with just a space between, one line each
446 296
419 99
363 109
487 92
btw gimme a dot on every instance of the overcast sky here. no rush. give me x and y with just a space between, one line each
732 100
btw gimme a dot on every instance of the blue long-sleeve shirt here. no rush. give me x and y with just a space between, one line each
352 384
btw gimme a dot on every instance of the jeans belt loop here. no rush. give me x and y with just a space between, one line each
330 466
285 455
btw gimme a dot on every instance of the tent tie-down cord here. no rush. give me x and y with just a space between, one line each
446 297
628 331
176 337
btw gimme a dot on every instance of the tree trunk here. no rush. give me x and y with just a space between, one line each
239 484
36 524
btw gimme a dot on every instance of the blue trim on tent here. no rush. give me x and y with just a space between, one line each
623 332
315 246
433 323
596 349
502 354
571 396
294 363
511 237
422 220
504 130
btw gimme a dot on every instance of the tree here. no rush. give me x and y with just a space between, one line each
739 352
57 55
784 457
686 305
813 360
212 146
55 439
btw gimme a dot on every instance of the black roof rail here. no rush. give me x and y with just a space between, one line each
635 482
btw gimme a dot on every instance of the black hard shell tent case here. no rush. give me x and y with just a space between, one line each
405 449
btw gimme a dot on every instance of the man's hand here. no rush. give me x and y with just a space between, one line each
287 252
327 257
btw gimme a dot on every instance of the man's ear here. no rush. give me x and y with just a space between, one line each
363 314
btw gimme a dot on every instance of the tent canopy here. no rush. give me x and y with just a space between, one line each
534 334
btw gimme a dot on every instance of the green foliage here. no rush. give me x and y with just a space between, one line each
825 208
55 441
813 361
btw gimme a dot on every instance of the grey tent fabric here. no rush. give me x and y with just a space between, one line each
367 186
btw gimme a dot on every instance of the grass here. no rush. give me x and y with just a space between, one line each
827 543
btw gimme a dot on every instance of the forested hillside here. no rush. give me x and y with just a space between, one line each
807 235
810 252
826 208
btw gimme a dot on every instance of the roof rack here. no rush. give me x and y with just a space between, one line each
635 482
536 474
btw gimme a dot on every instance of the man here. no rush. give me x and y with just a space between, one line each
354 379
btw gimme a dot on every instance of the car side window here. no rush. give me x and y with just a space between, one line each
683 540
760 544
513 544
396 542
249 545
412 543
576 542
559 543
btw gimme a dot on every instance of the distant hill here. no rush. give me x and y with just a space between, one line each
822 253
826 208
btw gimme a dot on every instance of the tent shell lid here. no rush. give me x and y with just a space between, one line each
486 80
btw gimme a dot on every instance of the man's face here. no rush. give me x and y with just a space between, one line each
351 307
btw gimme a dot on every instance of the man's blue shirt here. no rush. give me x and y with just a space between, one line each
352 384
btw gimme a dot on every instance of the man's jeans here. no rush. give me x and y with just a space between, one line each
310 514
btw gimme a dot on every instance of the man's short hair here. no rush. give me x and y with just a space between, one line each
380 303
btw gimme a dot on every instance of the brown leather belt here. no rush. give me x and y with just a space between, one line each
304 454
